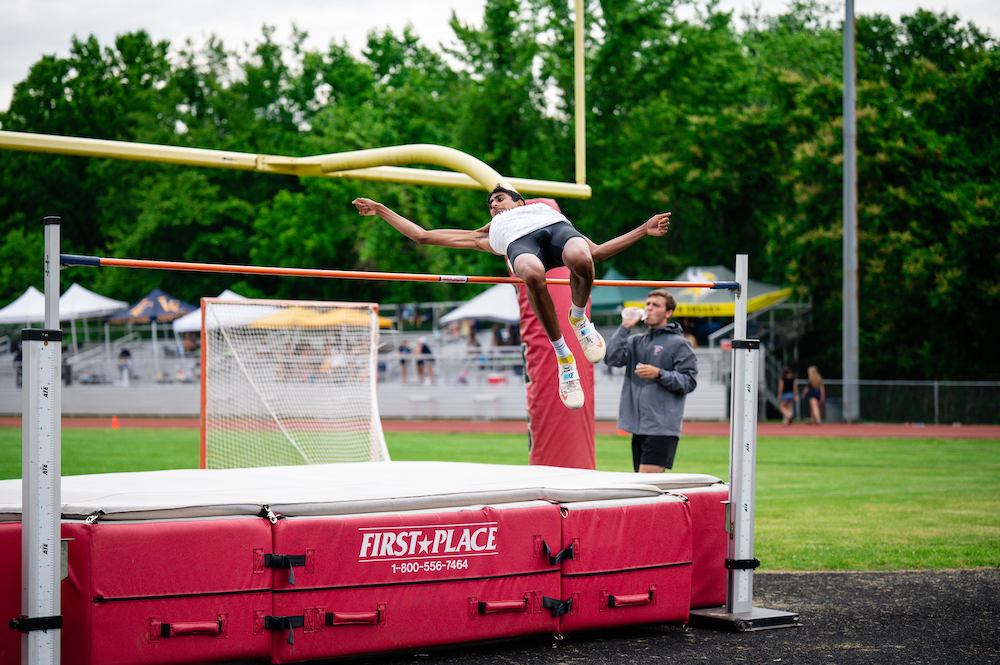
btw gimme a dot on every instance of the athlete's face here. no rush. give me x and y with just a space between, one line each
657 313
502 201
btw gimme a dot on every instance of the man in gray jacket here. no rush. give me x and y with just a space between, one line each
660 370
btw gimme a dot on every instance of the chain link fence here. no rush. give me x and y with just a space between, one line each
928 402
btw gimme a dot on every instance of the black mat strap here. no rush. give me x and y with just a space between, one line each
26 624
557 606
742 564
559 557
280 623
285 562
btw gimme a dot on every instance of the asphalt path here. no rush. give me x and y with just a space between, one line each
873 618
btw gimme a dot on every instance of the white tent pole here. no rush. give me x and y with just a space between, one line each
107 349
156 355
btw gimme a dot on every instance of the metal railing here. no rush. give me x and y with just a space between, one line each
918 402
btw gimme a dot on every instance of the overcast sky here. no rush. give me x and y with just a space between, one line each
30 29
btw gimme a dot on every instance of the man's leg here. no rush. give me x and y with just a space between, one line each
530 269
653 454
577 257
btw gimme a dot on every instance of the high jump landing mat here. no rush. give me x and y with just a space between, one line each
290 564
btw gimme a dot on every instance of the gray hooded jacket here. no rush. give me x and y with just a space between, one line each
653 406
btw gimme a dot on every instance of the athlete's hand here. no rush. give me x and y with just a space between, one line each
658 224
365 206
644 371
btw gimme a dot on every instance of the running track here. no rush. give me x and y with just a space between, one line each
691 428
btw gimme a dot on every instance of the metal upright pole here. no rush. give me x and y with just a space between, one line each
851 351
41 560
739 612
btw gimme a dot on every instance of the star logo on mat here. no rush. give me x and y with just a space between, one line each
424 544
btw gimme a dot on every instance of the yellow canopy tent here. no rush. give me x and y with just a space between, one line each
351 317
292 316
698 302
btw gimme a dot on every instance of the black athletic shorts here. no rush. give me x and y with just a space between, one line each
547 243
658 450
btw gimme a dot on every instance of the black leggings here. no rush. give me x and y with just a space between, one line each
547 243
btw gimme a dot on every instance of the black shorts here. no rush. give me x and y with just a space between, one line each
547 243
658 450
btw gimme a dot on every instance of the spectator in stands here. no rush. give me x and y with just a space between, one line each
17 366
786 394
425 359
125 366
404 359
815 391
472 347
660 370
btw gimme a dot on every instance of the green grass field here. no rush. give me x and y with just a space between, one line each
822 504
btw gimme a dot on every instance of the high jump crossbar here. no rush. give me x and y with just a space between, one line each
96 261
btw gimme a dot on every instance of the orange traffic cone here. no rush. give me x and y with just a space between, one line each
114 422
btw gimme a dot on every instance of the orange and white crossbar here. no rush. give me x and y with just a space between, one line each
96 261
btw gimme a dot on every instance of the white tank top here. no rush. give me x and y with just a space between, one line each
518 222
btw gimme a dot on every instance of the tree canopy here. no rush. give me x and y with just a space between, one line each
734 126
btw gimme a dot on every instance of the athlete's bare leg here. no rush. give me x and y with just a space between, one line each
530 269
576 256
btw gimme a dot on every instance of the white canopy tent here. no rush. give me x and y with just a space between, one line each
75 304
28 308
240 315
497 303
80 303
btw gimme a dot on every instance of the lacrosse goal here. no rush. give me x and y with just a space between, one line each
289 382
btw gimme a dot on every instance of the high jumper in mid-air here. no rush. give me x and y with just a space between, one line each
536 238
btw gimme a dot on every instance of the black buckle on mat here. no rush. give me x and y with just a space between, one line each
280 623
559 557
557 606
27 624
742 564
285 562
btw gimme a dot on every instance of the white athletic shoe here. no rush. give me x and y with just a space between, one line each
570 391
590 340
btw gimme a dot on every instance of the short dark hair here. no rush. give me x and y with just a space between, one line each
666 295
509 192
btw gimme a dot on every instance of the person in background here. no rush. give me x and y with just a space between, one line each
17 366
660 370
404 359
425 359
786 394
815 391
125 366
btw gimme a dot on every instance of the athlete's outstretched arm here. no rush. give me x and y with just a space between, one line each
656 225
454 238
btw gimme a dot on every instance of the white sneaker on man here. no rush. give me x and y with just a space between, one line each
590 340
570 390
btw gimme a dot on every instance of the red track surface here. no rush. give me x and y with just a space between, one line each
691 428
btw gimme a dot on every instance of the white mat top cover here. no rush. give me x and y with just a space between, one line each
337 489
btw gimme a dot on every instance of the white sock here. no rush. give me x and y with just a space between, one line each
561 349
578 312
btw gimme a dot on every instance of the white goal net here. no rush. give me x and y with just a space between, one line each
289 382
